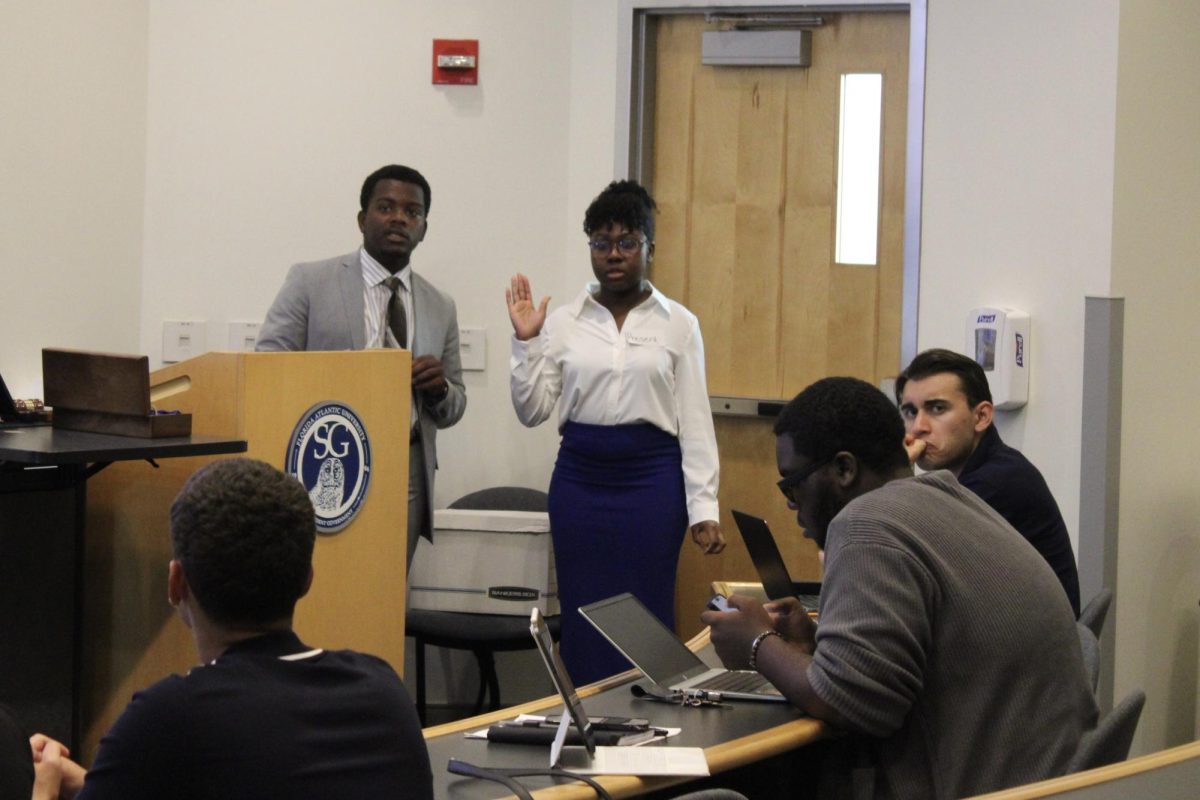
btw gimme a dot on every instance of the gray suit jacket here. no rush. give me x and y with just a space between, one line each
320 307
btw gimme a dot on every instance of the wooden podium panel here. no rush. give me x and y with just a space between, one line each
131 636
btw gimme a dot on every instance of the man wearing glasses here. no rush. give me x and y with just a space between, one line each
953 678
372 298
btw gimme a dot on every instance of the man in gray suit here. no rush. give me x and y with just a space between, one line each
372 298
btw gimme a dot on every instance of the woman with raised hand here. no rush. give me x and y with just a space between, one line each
637 466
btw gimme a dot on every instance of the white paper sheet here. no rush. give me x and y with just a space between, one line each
637 761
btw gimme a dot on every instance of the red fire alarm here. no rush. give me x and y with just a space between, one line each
456 61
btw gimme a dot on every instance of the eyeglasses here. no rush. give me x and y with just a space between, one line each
414 213
627 245
792 482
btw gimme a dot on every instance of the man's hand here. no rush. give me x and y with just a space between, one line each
427 377
914 446
56 776
733 631
527 320
708 536
783 661
792 620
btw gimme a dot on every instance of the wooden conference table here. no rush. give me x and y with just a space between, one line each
739 734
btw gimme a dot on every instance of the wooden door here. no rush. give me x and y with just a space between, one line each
745 171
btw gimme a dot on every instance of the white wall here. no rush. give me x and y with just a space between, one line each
1061 160
265 117
1017 204
1156 255
73 94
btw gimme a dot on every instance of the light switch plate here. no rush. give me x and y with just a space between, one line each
472 347
183 339
242 336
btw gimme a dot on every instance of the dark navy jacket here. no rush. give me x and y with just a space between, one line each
1009 483
268 718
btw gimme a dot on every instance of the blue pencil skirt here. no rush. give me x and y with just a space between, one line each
618 515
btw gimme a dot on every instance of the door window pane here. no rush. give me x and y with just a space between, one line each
858 169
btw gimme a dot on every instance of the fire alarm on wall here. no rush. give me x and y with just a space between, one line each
456 61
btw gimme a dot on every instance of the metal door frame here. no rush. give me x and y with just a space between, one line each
635 110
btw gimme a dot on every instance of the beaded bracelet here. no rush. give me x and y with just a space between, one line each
757 643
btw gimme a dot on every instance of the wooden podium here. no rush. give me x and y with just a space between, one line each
131 636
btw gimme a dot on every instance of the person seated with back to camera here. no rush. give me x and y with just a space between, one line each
264 715
953 678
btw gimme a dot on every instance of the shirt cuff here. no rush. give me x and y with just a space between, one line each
523 349
702 510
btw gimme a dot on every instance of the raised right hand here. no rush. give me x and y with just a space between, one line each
526 320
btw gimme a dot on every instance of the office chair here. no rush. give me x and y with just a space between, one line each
482 634
712 794
1095 612
1091 653
1111 740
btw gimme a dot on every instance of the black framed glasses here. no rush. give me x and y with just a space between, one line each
627 245
790 483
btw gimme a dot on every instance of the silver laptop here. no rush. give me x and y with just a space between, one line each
776 581
573 713
665 660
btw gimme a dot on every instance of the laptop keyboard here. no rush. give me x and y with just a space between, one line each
738 681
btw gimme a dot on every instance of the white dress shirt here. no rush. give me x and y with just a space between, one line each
652 370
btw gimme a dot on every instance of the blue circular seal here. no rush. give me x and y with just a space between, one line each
330 455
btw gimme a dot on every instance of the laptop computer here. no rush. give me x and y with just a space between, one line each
573 714
776 581
665 660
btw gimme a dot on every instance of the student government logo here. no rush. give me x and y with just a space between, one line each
330 455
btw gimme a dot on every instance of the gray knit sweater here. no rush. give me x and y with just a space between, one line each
948 642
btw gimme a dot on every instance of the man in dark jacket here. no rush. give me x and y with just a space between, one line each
947 409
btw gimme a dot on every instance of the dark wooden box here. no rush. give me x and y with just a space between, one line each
105 393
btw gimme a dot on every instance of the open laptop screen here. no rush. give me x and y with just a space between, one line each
643 639
765 555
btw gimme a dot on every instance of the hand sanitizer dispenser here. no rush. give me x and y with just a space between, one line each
998 338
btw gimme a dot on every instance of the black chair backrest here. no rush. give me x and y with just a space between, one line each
1111 740
503 498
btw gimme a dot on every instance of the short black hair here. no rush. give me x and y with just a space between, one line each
244 533
621 203
937 361
836 414
394 172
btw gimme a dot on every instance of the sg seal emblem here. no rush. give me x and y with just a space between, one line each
330 455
